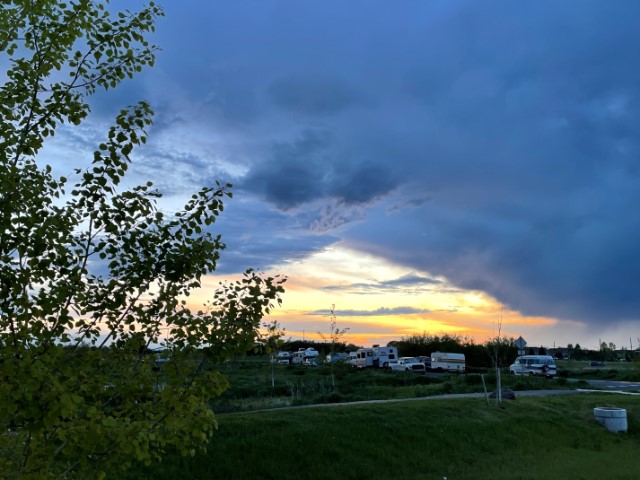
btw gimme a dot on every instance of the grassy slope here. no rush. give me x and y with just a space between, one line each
530 438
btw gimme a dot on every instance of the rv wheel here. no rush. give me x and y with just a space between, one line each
385 364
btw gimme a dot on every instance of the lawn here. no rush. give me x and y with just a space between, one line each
529 438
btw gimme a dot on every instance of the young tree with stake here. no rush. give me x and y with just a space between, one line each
335 334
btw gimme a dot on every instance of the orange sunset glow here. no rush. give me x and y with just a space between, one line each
373 303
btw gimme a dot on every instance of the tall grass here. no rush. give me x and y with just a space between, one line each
529 438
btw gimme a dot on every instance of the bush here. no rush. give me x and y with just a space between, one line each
446 387
333 397
473 379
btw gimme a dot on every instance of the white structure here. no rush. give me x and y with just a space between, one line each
448 362
353 358
303 354
378 357
540 365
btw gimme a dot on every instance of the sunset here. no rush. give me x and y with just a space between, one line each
422 167
379 302
332 239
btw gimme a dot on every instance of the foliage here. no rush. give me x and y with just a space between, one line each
503 350
91 277
425 344
274 337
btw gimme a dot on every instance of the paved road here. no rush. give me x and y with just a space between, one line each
523 393
614 385
609 386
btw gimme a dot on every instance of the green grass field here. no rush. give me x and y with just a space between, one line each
252 386
629 371
529 438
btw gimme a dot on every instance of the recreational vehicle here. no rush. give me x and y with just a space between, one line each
448 362
378 357
299 357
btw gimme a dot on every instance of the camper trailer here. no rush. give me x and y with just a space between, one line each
448 362
376 356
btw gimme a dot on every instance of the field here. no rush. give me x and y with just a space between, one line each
529 438
426 438
609 370
256 385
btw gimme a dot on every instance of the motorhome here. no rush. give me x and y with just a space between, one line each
376 356
353 358
299 357
539 365
448 362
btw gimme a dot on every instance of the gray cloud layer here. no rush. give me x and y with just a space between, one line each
495 143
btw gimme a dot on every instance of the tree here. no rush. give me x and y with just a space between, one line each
92 277
273 342
335 335
498 348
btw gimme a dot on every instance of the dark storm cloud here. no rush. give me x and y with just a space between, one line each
496 143
310 168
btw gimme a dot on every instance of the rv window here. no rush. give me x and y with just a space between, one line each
391 356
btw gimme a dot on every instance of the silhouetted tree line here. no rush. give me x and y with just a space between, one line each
476 355
323 347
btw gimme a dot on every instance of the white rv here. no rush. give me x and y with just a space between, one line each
353 359
448 362
376 356
299 357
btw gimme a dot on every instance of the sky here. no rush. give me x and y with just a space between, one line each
423 166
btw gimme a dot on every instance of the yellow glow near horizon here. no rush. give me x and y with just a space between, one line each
365 291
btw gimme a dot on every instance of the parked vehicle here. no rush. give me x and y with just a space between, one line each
539 365
303 354
353 358
426 361
408 364
282 358
376 356
448 362
337 358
